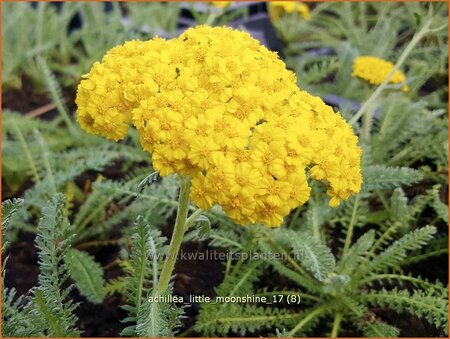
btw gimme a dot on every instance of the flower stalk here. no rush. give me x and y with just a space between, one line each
177 236
336 325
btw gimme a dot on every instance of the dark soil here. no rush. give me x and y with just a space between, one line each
27 99
193 277
22 268
24 100
102 320
196 277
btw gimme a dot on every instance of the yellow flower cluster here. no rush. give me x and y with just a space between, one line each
279 8
375 70
216 105
221 4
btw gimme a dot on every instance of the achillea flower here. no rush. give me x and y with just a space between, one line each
375 70
220 4
279 8
216 105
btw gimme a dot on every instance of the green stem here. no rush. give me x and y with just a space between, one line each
417 37
177 236
336 325
367 125
348 238
227 268
46 159
247 249
213 15
311 315
26 150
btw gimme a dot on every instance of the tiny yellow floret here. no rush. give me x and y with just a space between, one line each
217 106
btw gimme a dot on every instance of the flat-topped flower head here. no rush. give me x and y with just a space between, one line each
375 70
217 106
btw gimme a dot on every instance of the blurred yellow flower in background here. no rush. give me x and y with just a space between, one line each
277 9
221 3
375 71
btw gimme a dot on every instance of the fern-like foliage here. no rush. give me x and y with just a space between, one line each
402 140
382 177
379 329
440 208
148 319
350 261
242 319
44 33
158 319
87 274
17 320
156 203
325 288
47 311
55 93
52 306
396 252
310 252
9 207
432 308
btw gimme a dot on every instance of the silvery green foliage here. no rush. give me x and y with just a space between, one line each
50 299
145 318
87 274
47 310
326 288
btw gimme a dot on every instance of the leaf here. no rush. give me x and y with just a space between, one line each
243 319
282 333
87 274
433 309
313 255
383 177
148 181
397 251
157 319
399 204
118 285
202 229
440 208
53 243
9 207
379 329
352 258
146 248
